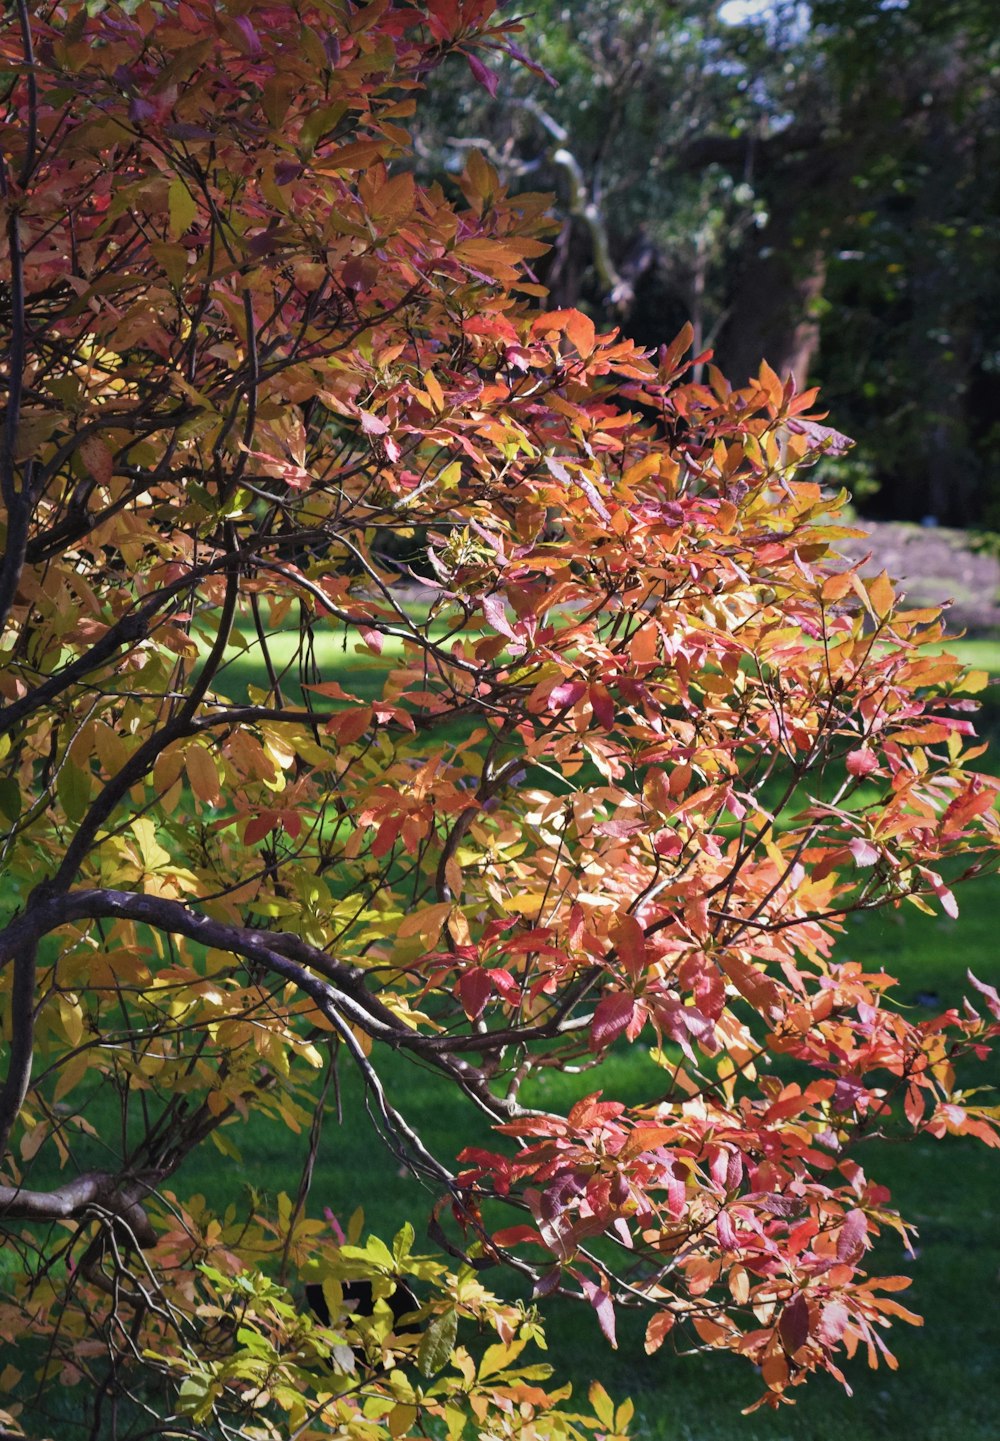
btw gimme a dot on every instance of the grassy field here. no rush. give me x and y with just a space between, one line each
949 1382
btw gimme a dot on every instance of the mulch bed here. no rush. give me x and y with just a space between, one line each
935 567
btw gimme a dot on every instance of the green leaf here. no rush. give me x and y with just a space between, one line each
10 799
182 207
195 1396
438 1342
73 788
402 1244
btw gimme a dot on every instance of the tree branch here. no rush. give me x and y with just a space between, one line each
22 1036
96 1190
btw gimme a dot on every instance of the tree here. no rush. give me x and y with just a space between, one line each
624 775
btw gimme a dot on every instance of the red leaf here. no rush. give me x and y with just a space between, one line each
822 437
516 53
604 1306
974 801
676 1196
793 1328
990 992
259 827
372 424
657 1330
249 40
474 988
591 492
518 1236
493 610
352 725
333 689
833 1323
861 762
373 639
863 852
489 79
630 943
611 1018
388 834
567 693
851 1241
948 902
603 706
556 468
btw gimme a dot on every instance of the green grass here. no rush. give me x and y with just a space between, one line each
983 652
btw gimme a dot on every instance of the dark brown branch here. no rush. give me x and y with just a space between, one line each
131 627
734 151
95 1191
22 1035
338 990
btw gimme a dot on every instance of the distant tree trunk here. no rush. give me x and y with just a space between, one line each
774 307
772 315
943 472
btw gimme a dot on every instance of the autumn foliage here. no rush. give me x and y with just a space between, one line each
641 743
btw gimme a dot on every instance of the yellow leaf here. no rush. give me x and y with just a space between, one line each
526 902
71 1074
975 680
400 1419
426 923
182 208
153 855
499 1356
603 1406
32 1139
203 774
433 389
881 595
111 749
624 1415
394 200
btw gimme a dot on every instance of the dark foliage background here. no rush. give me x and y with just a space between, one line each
817 184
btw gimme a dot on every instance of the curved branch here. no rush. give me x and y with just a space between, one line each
338 990
99 1190
293 958
583 205
132 626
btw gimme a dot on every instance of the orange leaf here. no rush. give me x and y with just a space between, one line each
203 774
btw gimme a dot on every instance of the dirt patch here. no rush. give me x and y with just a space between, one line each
935 567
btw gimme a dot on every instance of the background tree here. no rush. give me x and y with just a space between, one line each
623 776
798 181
